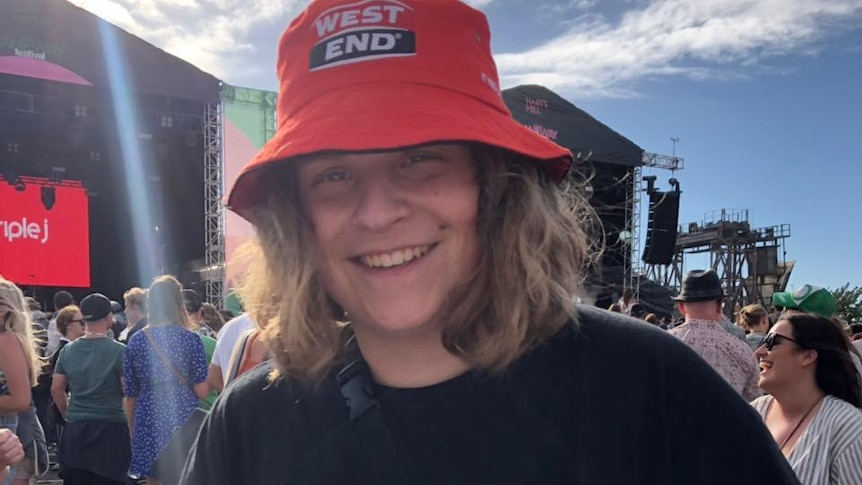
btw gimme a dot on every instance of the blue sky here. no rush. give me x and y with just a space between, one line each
762 94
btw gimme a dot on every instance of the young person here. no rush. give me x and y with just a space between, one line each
94 444
165 371
415 272
812 409
755 319
20 366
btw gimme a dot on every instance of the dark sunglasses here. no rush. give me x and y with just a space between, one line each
773 339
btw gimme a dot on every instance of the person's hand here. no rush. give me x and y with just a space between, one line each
11 451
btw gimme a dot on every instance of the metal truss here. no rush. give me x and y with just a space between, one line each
634 270
214 254
668 275
633 203
749 262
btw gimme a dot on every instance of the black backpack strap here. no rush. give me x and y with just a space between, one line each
355 382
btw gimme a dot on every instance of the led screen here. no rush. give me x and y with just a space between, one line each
42 247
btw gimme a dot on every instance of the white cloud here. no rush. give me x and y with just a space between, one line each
214 35
596 56
109 10
664 38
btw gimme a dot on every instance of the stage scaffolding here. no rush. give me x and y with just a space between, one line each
634 270
214 255
750 262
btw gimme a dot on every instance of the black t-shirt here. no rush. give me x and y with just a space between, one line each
606 401
135 329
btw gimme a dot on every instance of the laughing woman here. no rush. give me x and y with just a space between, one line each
812 410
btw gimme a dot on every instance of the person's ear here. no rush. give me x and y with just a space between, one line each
808 357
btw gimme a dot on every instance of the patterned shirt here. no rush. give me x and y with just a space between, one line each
730 357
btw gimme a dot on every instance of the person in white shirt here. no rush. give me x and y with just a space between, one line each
812 409
228 336
62 299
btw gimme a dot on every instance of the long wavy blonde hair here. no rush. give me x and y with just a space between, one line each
17 321
534 250
165 302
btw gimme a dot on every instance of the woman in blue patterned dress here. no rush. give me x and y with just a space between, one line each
165 373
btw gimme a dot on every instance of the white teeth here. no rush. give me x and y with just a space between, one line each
395 258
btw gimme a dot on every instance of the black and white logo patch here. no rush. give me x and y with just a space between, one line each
362 46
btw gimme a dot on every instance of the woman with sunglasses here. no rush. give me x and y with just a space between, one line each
814 393
70 324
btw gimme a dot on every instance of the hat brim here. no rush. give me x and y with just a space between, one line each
784 299
96 319
684 298
389 116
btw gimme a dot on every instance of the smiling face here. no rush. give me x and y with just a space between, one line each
786 363
394 233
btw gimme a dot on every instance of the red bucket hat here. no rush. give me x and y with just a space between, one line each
384 74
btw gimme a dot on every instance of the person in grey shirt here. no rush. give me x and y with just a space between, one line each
755 318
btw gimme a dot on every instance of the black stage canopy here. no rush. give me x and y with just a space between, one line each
57 110
547 113
57 41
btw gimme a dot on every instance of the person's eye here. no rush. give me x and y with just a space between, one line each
331 176
416 158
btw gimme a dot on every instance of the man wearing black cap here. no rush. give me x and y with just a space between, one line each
700 301
95 444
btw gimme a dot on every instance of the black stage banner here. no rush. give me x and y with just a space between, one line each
548 114
57 41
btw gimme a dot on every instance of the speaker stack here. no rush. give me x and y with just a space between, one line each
661 227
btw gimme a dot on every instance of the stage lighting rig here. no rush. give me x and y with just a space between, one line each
49 197
650 180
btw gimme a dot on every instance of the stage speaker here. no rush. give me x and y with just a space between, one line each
765 261
661 227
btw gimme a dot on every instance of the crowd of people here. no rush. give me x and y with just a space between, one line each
112 386
414 314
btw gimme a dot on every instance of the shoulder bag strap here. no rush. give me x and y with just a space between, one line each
237 357
355 382
166 361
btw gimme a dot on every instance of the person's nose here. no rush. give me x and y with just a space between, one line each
381 204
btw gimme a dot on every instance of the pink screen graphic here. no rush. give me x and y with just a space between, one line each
41 247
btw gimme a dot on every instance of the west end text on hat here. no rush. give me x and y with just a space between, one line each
363 31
